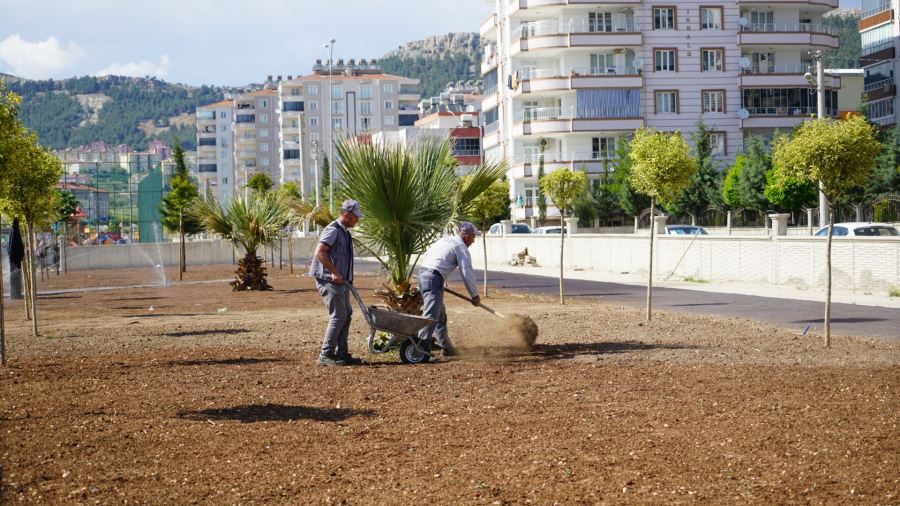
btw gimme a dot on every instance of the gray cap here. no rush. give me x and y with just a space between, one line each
466 228
351 206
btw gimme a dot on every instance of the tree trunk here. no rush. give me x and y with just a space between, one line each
484 247
2 321
65 252
562 244
291 250
26 277
650 270
181 247
251 273
33 297
828 282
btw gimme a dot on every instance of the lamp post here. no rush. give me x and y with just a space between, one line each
330 47
824 215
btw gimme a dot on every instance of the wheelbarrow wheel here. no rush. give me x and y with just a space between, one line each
410 355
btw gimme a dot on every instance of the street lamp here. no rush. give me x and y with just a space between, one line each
824 215
330 47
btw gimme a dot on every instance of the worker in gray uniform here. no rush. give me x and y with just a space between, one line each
332 266
439 261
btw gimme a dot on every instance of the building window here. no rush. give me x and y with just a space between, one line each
313 106
292 106
666 102
263 104
264 162
223 115
263 146
295 92
716 143
389 120
603 148
314 137
600 22
365 107
245 118
337 92
263 132
711 59
761 21
365 124
337 123
207 141
388 105
710 18
291 154
664 18
881 108
388 88
365 91
665 60
224 180
337 107
713 101
312 89
313 122
263 118
224 142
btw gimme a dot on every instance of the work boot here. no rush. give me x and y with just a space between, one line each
349 359
329 360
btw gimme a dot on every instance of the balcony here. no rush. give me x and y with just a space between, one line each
525 164
797 34
884 5
771 76
781 117
574 78
825 5
489 64
553 34
549 120
516 5
488 25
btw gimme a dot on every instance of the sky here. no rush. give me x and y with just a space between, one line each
219 42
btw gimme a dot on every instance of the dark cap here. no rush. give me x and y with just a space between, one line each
351 206
466 228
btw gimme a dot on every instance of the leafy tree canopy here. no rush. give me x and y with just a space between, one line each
662 164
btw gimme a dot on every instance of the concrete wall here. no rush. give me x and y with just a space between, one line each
859 264
122 256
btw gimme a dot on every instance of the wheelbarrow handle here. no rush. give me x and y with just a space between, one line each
467 299
362 306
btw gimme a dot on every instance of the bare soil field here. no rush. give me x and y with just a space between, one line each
192 393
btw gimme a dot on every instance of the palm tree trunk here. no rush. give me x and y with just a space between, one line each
650 270
484 247
2 321
33 295
828 282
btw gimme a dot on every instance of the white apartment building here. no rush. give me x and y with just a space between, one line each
879 28
215 158
567 80
361 100
256 136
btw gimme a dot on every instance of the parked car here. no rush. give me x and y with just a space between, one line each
685 230
548 230
859 229
517 228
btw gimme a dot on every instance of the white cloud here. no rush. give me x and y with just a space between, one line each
138 69
39 60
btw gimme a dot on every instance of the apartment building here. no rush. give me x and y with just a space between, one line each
256 136
361 100
566 80
215 156
879 28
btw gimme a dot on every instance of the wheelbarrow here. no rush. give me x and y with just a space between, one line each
401 327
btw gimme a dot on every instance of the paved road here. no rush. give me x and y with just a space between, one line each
846 319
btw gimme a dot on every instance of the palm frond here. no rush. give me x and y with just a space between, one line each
248 221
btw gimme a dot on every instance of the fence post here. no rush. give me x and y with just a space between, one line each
809 227
728 222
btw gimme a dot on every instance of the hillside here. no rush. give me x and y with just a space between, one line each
437 60
113 109
846 21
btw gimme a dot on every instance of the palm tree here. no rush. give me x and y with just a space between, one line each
409 198
249 221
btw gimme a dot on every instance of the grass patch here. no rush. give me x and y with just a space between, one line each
692 279
894 291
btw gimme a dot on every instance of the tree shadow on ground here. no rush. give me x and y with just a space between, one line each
842 320
252 413
226 361
206 332
694 304
609 294
56 297
570 350
159 315
137 298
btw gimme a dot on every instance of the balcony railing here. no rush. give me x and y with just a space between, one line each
877 85
789 28
571 112
569 156
466 152
788 111
867 50
774 69
882 6
556 27
491 127
578 71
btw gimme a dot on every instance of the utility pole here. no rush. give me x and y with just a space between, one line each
824 215
331 128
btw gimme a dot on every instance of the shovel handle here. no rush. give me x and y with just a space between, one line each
467 299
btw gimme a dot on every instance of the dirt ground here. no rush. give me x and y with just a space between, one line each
191 393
